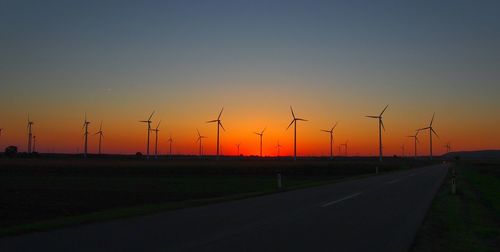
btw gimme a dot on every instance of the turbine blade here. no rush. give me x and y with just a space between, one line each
262 132
325 130
149 119
432 120
290 123
300 119
373 116
212 121
157 126
221 126
384 109
382 123
334 126
434 132
218 118
198 133
292 112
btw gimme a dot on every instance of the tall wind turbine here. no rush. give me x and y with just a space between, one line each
30 134
380 127
170 140
238 149
331 139
156 138
86 133
219 124
149 130
294 122
200 137
278 146
260 135
101 135
415 138
431 131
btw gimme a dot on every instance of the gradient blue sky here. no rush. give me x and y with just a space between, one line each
332 60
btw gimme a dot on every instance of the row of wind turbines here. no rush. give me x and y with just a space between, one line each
218 121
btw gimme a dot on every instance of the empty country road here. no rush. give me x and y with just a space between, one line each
379 213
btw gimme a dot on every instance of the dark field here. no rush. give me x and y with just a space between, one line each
468 220
34 190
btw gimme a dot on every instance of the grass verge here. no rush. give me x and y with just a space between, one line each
467 220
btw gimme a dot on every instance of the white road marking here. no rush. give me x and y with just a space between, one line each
339 200
392 181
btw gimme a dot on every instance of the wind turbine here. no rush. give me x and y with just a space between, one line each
156 138
431 131
238 149
331 139
448 147
30 134
345 147
218 124
260 135
86 133
170 140
101 135
415 138
278 146
149 129
200 137
294 122
380 127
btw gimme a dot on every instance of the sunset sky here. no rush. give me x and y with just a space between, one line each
333 61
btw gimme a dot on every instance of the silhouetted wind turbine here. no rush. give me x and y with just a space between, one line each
331 139
200 137
260 135
101 135
380 127
218 124
170 140
431 131
278 146
238 149
415 138
30 134
345 147
156 138
149 130
294 122
86 133
448 147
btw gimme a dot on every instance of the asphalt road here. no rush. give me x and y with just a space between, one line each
380 213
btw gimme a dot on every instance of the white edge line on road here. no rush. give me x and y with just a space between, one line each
392 181
342 199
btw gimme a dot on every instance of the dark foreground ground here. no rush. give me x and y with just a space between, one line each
377 213
44 193
468 220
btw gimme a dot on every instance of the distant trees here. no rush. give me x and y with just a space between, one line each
11 151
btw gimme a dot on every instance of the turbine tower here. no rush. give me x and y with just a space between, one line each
260 135
448 147
238 149
149 130
294 122
278 146
101 135
331 139
170 140
30 134
380 127
415 138
200 137
219 124
345 147
86 133
431 131
156 138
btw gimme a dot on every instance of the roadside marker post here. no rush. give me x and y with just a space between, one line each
453 182
280 182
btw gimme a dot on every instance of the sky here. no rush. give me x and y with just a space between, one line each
333 61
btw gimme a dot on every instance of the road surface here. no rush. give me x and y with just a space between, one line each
379 213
